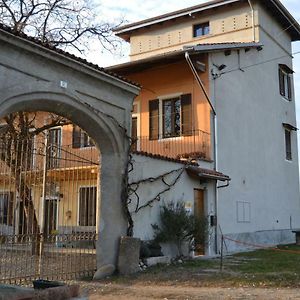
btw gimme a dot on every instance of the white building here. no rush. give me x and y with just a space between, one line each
234 58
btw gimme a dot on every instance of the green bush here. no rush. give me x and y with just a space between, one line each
179 226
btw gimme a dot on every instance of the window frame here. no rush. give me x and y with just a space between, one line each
285 82
288 144
204 26
173 133
80 209
84 137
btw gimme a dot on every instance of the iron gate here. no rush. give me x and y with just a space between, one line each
48 205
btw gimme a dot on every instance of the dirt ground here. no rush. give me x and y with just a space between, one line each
114 291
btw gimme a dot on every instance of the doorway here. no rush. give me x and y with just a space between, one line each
199 211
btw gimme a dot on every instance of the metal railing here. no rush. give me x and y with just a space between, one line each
195 144
61 257
48 193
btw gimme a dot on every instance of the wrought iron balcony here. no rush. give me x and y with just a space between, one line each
196 145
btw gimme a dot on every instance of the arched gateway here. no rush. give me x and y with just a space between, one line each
38 78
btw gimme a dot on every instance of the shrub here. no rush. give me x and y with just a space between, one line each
179 226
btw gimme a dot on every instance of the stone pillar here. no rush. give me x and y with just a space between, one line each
112 223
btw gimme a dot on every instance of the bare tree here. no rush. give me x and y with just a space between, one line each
61 23
16 137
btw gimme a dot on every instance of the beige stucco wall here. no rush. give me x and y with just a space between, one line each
232 24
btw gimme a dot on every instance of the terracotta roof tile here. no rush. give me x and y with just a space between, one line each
166 158
193 167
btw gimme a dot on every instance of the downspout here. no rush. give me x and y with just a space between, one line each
253 20
201 85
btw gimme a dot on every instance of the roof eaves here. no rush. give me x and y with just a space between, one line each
66 54
196 49
222 46
282 9
165 158
206 173
172 15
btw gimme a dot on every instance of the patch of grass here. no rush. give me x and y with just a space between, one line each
261 268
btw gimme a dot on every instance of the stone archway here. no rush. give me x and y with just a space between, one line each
98 102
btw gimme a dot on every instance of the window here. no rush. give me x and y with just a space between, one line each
201 29
6 208
80 138
170 117
285 81
87 206
288 144
54 148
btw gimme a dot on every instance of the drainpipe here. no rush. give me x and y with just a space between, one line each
202 87
253 20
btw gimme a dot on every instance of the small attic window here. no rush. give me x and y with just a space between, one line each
201 29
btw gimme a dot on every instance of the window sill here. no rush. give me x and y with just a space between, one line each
286 99
202 36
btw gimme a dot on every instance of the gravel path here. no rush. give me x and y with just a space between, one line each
122 292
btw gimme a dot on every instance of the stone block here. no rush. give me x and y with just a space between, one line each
104 271
129 255
152 261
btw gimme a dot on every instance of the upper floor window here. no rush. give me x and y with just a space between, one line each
170 117
288 144
80 138
201 29
54 148
285 81
288 128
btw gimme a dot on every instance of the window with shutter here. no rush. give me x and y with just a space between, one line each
80 138
288 144
186 114
285 81
87 206
154 119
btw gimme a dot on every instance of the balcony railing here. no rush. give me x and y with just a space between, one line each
196 145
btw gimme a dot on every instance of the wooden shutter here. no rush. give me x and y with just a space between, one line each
76 137
153 119
289 83
186 114
281 82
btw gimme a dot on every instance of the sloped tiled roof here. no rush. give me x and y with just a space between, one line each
65 53
193 168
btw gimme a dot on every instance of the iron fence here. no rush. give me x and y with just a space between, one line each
48 207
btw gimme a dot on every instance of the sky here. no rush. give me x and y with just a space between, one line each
135 10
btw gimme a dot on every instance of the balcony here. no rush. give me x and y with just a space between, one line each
195 145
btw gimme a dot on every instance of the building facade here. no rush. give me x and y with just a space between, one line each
217 87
